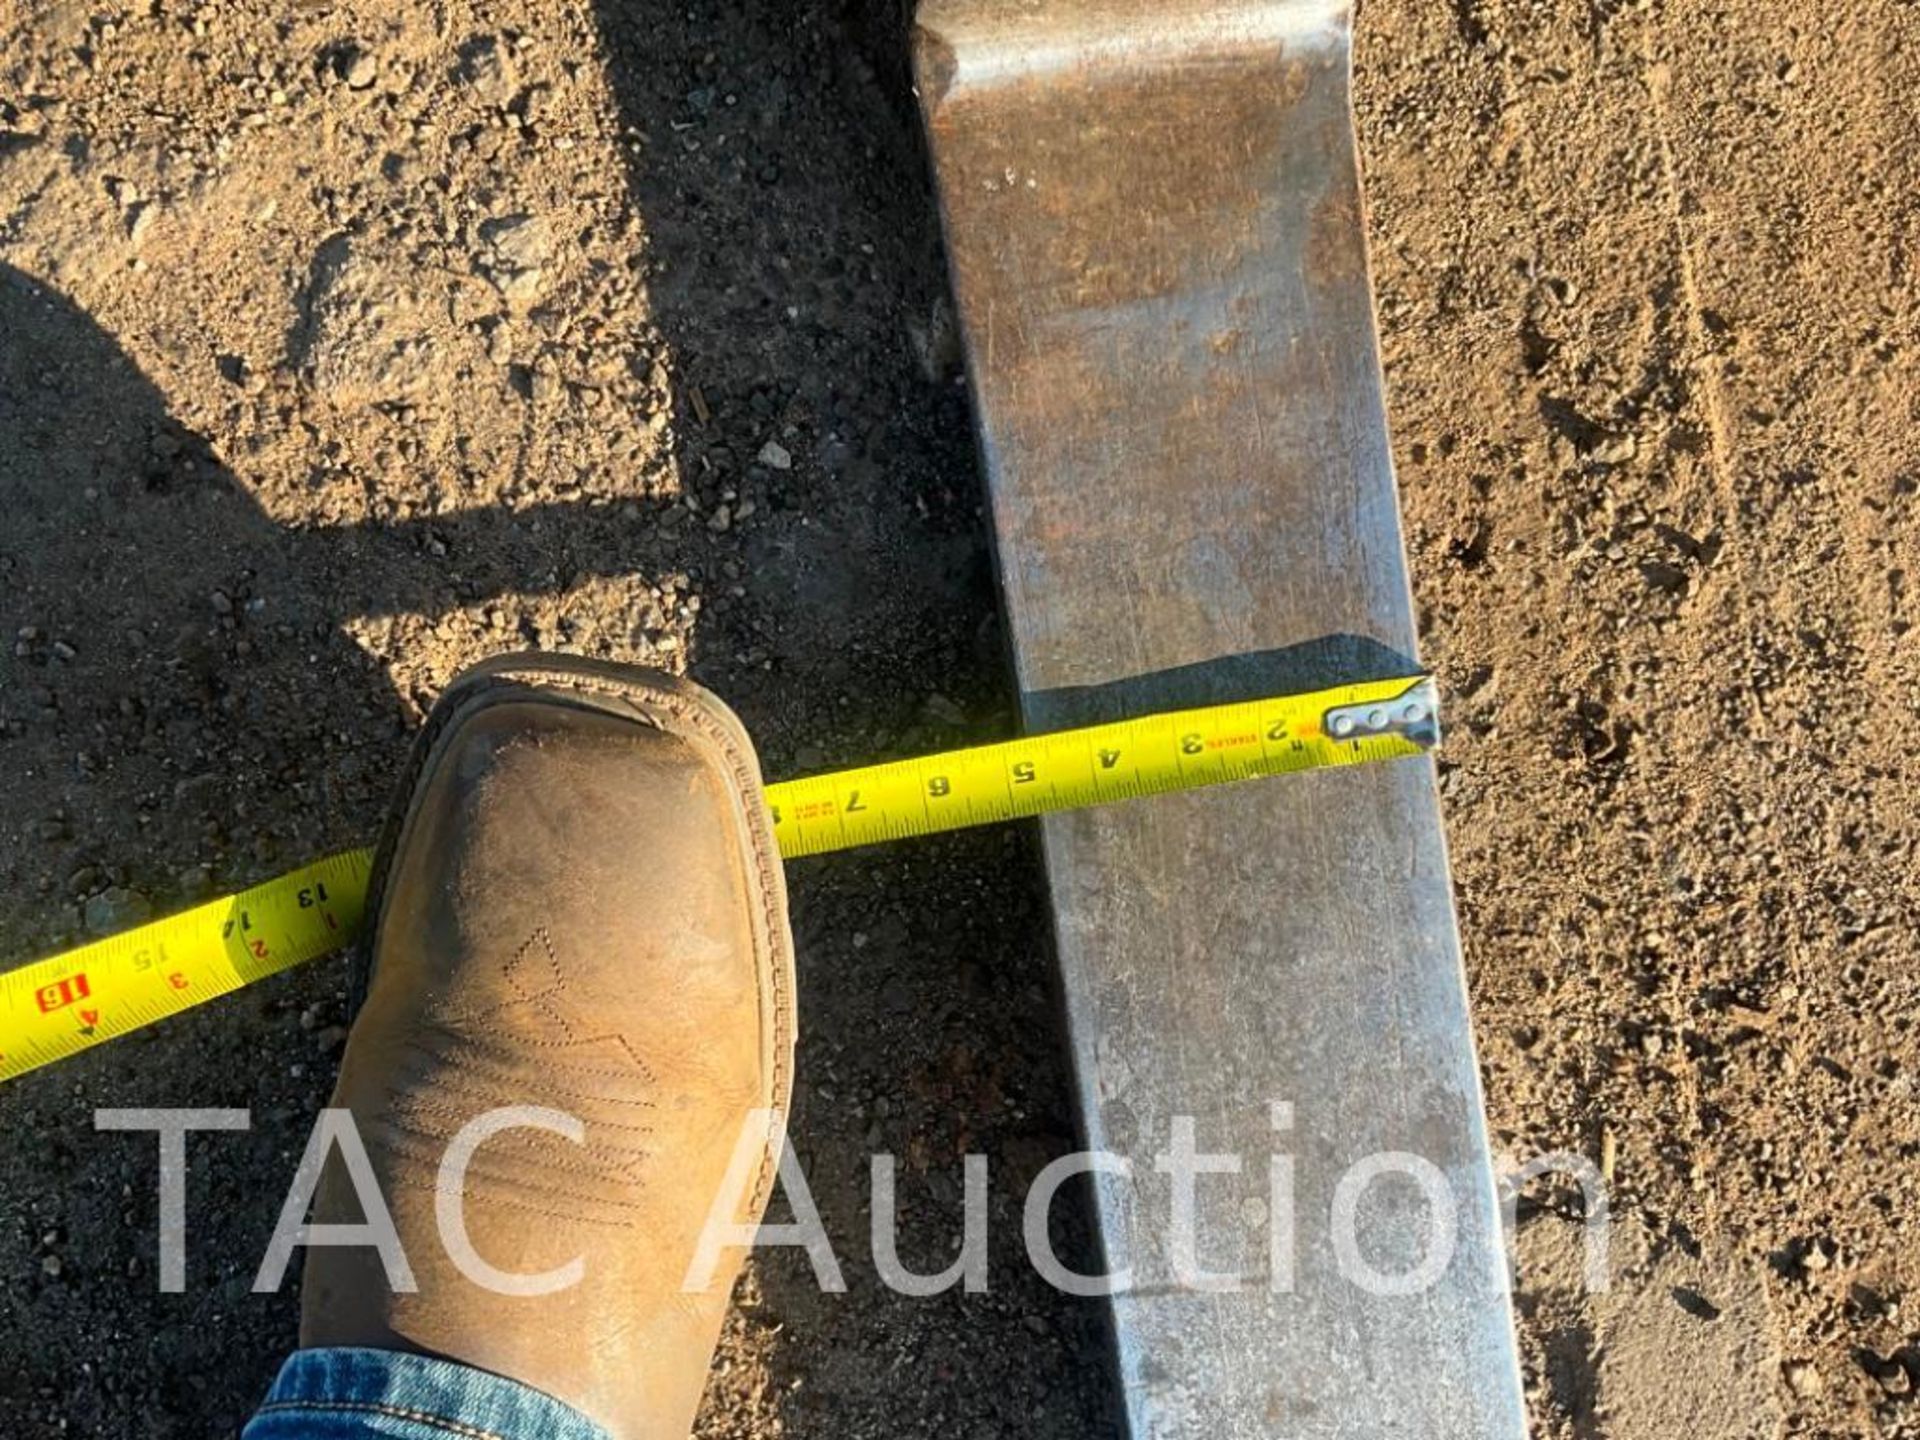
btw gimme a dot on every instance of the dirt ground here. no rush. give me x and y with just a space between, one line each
342 345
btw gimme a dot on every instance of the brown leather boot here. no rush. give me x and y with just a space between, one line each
579 907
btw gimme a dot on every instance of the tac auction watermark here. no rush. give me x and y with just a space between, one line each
1438 1224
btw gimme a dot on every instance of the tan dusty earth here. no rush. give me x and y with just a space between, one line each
343 345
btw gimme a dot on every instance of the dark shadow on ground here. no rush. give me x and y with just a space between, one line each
796 276
181 709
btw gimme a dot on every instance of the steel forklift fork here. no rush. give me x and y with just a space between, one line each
1155 228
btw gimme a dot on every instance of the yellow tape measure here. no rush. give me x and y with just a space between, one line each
67 1003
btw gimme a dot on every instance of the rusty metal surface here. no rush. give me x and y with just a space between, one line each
1156 236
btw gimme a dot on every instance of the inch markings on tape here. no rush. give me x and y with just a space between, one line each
67 1003
70 1002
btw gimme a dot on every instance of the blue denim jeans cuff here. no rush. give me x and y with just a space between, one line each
360 1394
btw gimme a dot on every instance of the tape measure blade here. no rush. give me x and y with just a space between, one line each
73 1001
100 991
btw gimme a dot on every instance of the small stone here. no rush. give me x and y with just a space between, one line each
63 651
488 71
1614 450
775 456
330 1039
1802 1378
720 519
222 602
520 287
195 882
523 242
115 909
939 708
360 70
54 827
51 1267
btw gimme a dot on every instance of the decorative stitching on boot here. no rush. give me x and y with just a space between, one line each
639 699
486 1069
542 1000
